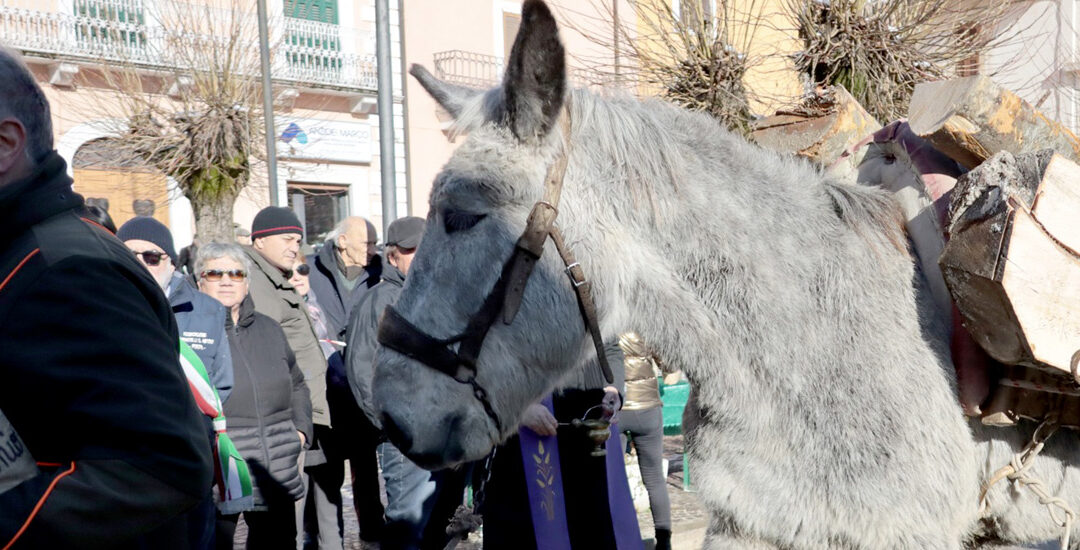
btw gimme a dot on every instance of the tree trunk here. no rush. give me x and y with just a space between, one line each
214 218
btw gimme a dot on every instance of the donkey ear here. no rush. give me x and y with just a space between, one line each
535 80
451 97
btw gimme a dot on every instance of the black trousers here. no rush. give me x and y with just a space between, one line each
352 438
270 530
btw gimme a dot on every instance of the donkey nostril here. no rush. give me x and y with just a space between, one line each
400 438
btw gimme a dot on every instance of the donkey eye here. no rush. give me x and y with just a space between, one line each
460 221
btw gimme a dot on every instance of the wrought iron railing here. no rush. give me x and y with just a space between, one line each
310 52
474 70
477 70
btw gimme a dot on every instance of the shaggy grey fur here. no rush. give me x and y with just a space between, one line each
828 413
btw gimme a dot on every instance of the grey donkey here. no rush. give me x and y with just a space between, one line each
825 399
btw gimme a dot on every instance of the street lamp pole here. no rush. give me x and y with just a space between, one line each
386 112
268 102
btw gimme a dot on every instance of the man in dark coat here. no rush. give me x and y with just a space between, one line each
90 366
419 503
343 270
341 273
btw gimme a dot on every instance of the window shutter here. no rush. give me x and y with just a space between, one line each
511 22
323 11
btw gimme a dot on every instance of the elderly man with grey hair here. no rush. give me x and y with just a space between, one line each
92 388
341 273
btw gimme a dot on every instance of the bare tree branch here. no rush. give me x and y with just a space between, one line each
200 121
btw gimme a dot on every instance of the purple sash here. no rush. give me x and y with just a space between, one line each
540 456
623 516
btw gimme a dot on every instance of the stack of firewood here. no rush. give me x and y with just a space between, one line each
1011 261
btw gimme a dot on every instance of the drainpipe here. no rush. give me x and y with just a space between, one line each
386 112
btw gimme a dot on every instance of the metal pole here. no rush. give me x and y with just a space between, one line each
386 112
268 102
403 39
615 32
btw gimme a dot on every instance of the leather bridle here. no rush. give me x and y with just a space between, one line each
398 334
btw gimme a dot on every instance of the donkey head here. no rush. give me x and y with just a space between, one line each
478 209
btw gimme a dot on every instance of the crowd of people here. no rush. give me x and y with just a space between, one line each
108 444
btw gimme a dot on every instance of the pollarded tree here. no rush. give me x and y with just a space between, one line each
880 49
187 100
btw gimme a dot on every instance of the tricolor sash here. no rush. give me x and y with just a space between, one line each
231 473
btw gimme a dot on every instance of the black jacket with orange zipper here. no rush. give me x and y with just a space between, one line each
90 380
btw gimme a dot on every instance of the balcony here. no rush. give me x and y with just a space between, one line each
474 70
477 70
307 54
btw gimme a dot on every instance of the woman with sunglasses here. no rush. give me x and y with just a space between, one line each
269 410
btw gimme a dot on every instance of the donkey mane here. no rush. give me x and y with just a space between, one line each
647 143
643 145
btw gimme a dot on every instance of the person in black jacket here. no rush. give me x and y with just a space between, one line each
90 364
419 503
341 273
269 411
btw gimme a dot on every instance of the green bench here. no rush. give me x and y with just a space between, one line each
674 399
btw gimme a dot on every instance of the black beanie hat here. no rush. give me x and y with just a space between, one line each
275 220
148 229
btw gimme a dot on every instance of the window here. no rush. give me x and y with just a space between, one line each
511 22
110 22
969 36
323 11
319 206
309 41
694 14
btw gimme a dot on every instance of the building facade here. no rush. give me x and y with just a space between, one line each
467 42
324 82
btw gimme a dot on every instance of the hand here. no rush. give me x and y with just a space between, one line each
540 420
611 403
303 439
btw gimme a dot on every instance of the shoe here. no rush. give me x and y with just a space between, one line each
663 539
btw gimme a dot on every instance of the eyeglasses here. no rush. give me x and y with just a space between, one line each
215 275
303 269
151 257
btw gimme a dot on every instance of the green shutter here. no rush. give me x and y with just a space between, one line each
102 17
324 11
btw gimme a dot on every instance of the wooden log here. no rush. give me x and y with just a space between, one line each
970 119
821 134
1012 263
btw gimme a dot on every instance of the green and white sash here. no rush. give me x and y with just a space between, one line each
231 473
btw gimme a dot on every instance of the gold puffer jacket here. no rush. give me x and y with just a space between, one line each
642 366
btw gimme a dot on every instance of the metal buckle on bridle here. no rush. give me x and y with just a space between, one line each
574 280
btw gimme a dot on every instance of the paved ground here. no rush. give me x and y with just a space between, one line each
687 515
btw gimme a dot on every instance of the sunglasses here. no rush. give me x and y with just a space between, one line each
151 257
215 275
303 270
